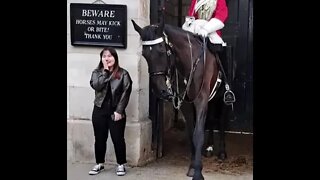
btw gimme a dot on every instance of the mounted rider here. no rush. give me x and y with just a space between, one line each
206 18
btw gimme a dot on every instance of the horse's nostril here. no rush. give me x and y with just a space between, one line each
164 94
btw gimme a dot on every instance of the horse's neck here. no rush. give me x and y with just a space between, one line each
176 37
181 48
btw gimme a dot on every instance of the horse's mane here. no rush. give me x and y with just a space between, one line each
173 28
176 30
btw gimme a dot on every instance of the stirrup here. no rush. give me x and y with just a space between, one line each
229 97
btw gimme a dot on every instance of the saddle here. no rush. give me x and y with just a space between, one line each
214 48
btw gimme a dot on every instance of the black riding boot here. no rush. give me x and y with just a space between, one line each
226 67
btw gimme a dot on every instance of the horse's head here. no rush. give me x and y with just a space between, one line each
154 50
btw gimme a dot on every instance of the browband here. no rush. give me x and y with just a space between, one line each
152 42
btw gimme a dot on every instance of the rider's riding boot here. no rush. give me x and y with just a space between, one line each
225 57
225 65
224 61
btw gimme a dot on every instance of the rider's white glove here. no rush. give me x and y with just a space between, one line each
187 25
189 20
202 32
213 25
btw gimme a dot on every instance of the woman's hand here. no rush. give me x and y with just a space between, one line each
117 116
105 64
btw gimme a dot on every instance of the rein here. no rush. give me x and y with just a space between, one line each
193 68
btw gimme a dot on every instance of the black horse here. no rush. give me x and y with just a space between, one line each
184 71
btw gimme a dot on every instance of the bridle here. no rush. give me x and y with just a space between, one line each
168 47
176 100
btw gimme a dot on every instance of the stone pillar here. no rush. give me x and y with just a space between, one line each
81 61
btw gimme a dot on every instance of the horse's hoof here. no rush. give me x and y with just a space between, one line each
222 156
198 177
190 172
208 152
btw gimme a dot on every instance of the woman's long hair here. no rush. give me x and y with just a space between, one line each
116 67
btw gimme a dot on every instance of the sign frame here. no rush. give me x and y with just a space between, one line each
98 25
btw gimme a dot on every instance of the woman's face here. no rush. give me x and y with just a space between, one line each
107 56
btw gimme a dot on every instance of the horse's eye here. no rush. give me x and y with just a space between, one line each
162 47
146 51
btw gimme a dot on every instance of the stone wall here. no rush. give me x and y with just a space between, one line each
80 63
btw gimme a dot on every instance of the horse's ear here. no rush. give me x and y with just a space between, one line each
136 27
161 26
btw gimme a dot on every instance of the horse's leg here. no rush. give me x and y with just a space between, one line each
222 155
209 127
188 113
209 145
201 106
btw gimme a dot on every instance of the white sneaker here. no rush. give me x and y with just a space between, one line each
96 169
121 170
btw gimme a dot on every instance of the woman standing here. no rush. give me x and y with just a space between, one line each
112 85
